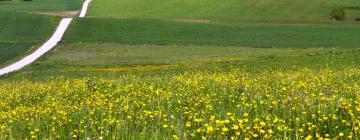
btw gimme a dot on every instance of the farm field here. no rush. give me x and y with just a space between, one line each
12 50
245 69
228 10
26 25
40 5
159 32
20 32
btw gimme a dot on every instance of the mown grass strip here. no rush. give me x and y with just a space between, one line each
159 32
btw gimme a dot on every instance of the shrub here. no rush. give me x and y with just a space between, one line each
338 14
357 19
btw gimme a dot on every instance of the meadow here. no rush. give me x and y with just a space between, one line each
196 104
183 69
112 60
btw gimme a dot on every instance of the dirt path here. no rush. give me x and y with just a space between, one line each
63 14
47 46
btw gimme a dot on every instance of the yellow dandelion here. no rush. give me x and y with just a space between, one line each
224 129
309 137
210 129
188 124
262 124
341 134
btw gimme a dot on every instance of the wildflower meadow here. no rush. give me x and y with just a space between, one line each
194 104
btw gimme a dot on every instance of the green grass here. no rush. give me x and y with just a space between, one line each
291 104
22 27
94 55
40 5
114 68
268 10
9 51
20 31
160 32
85 60
288 77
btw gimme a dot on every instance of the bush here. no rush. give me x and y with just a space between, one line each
338 14
357 19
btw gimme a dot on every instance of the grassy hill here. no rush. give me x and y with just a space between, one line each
161 32
187 69
245 10
22 27
40 5
128 33
21 31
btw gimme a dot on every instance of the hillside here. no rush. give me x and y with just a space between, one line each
182 70
227 10
19 32
25 25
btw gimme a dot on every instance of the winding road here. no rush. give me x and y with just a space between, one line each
47 46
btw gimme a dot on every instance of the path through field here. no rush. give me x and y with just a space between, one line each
47 46
84 8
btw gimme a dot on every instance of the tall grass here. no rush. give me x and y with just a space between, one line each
236 104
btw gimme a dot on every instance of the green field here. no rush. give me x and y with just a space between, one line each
22 27
158 32
243 10
77 60
183 69
40 5
12 50
20 32
16 27
125 86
